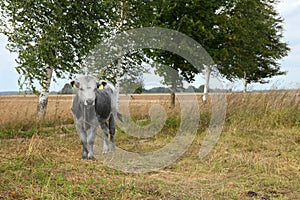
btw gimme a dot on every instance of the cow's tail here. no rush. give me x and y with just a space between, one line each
120 117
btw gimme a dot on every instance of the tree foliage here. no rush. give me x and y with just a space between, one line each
242 36
199 20
67 89
55 34
127 15
254 44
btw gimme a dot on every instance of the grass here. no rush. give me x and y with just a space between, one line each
256 157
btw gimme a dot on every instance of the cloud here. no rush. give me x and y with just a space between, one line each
8 73
288 6
290 11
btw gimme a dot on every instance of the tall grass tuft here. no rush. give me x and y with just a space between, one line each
263 110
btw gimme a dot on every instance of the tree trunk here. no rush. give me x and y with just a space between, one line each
173 93
173 87
119 61
172 99
43 97
118 77
206 85
245 83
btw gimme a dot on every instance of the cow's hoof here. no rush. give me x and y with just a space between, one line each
84 157
91 158
112 150
104 151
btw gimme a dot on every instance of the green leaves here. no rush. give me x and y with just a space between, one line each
254 46
241 36
51 33
199 20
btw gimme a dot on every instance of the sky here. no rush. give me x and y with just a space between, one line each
288 9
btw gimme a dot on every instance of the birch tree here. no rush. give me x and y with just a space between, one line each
127 15
51 38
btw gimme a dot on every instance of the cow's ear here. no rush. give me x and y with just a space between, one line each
75 84
101 84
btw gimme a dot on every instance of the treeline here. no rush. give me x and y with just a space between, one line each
67 89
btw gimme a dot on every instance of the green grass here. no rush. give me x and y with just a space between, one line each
49 167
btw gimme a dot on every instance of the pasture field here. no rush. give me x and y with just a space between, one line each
256 157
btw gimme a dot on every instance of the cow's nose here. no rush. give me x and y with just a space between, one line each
89 102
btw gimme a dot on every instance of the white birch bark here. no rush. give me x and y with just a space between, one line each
206 85
119 62
43 97
118 78
245 83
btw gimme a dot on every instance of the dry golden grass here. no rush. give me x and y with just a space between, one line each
256 157
257 110
247 113
18 109
263 110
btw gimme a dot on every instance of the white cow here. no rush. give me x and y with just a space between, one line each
93 106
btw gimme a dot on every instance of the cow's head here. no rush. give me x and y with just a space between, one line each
87 87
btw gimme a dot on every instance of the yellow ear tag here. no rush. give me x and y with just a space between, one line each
100 87
74 86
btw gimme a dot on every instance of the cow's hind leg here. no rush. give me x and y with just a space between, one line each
104 128
112 132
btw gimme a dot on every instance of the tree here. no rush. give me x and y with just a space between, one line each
67 89
201 20
242 37
132 85
124 68
51 37
171 77
254 45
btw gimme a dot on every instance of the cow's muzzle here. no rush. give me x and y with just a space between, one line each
89 102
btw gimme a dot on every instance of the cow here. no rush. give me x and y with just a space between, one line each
93 106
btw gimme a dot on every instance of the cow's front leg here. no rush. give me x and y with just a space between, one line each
112 132
104 128
83 139
90 143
